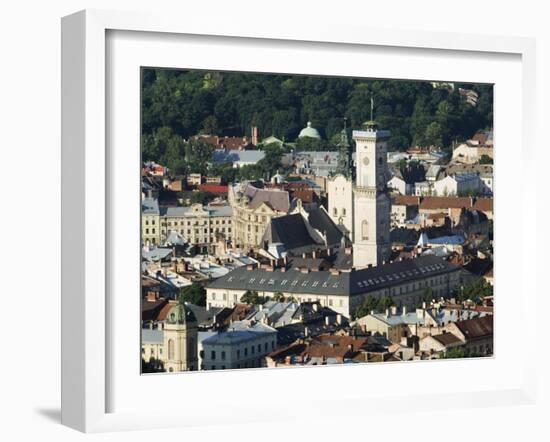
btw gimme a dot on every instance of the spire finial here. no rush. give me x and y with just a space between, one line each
371 107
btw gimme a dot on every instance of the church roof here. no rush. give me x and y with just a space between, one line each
309 131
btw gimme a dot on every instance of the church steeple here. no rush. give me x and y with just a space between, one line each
343 166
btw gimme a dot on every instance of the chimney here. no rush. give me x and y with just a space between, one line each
315 307
304 270
339 319
159 326
306 332
404 310
394 310
314 254
152 296
304 255
254 133
387 313
423 305
327 320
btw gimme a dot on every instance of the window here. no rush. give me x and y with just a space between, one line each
259 348
252 349
246 351
238 353
365 230
343 212
335 212
213 355
170 349
223 355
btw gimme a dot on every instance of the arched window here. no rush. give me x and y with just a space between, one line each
365 230
170 349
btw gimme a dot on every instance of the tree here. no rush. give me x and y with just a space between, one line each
198 154
193 294
485 159
385 302
474 291
279 297
453 353
251 297
369 304
428 296
202 197
432 135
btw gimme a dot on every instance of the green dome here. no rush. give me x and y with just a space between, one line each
310 132
180 314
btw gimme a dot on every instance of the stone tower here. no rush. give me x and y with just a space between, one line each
372 205
180 339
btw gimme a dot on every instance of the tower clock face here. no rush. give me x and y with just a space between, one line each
366 161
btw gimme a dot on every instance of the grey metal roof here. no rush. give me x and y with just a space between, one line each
149 206
188 211
348 283
154 336
235 156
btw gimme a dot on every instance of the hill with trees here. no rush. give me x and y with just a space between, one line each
179 104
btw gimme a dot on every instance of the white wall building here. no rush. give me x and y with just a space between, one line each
372 205
453 185
340 203
243 345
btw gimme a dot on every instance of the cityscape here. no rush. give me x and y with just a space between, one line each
294 220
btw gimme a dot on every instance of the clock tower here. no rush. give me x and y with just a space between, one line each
372 205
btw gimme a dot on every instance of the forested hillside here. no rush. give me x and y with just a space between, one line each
179 104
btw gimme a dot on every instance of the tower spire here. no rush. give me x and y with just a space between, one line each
371 107
343 165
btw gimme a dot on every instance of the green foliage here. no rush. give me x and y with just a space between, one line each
428 296
193 294
252 297
202 197
224 170
485 159
309 144
474 291
224 103
372 303
453 353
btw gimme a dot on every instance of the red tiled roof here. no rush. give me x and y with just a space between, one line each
406 200
446 338
445 202
484 204
214 188
476 327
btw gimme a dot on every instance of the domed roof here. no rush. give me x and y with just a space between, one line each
309 132
180 314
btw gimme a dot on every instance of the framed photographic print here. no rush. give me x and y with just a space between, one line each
289 208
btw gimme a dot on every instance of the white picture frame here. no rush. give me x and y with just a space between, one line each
86 205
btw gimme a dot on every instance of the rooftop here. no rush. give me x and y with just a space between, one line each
335 283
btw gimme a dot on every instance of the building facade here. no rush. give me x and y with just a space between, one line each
200 225
343 291
173 344
252 210
372 205
340 203
150 221
243 345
